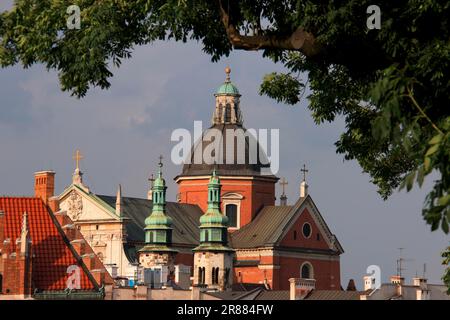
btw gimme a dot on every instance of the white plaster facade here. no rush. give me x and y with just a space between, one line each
104 231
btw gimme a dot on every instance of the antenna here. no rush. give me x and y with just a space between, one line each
400 262
424 269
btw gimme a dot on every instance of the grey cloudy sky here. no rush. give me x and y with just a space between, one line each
166 86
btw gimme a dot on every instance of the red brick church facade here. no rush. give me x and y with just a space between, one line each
272 243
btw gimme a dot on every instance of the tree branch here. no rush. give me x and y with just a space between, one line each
300 40
411 96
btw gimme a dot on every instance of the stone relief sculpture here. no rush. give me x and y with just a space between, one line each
75 204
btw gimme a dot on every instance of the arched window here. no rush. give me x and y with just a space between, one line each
231 212
1 283
227 275
228 113
306 271
215 275
232 207
150 237
206 235
220 113
203 275
200 276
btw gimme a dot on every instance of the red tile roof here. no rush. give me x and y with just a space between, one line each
51 255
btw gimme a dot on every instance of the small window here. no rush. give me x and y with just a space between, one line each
231 212
295 235
306 271
306 230
318 237
96 227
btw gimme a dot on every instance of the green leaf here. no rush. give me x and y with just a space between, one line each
410 180
444 225
436 139
427 164
444 201
420 176
432 150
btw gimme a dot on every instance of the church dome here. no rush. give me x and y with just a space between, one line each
245 157
250 165
228 89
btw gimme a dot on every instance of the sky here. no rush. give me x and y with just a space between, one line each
122 131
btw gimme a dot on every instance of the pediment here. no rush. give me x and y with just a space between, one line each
83 206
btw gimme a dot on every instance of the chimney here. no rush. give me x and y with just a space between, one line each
397 280
300 288
351 285
419 282
44 185
369 283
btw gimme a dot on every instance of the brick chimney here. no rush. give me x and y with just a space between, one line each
44 185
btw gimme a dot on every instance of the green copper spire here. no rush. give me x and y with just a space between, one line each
158 226
213 224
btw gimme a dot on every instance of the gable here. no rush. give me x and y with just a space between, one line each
83 206
275 224
305 211
296 237
52 256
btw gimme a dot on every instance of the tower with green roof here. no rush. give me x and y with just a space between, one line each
158 249
213 258
227 109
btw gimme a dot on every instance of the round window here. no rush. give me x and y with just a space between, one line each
306 230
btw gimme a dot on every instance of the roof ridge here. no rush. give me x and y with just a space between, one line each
18 197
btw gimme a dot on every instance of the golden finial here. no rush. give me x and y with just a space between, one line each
227 71
77 157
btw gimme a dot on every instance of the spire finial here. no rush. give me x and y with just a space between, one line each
227 71
304 171
283 184
160 165
151 179
77 157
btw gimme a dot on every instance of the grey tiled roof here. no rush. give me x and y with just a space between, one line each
334 295
229 167
273 295
262 231
185 219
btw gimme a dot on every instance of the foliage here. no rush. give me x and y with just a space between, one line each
446 262
391 85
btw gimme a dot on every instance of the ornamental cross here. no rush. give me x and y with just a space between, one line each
77 157
151 179
160 164
304 171
283 183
